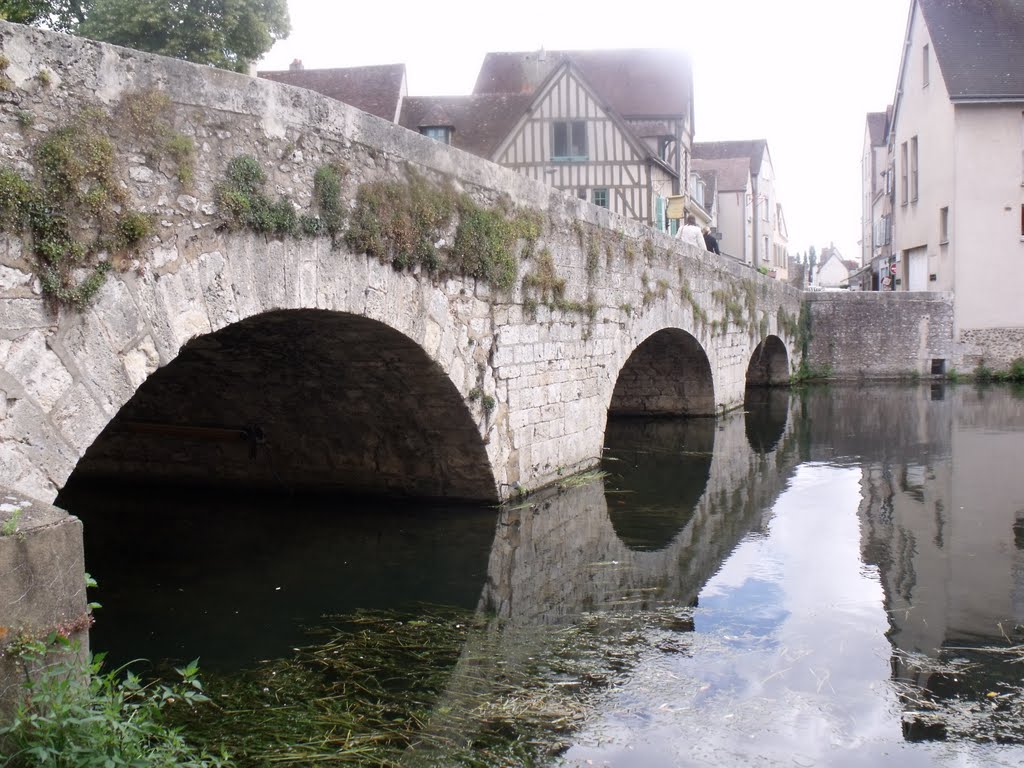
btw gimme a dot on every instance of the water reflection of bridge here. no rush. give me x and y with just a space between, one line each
679 496
939 525
704 483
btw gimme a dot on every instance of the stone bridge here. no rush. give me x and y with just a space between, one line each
214 278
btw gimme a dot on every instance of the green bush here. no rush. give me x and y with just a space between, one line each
75 716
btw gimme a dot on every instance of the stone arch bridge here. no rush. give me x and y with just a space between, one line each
217 320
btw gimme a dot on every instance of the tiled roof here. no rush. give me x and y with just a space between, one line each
640 82
733 172
480 122
375 89
877 128
752 149
979 45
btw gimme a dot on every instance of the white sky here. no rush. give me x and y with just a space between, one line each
800 73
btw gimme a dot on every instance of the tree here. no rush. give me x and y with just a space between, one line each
61 15
230 34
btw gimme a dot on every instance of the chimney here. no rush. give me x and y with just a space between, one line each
296 65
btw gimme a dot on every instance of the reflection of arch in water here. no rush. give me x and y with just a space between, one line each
765 413
658 471
769 364
668 374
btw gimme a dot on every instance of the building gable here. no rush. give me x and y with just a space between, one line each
565 98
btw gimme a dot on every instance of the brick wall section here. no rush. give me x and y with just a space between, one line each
863 334
64 375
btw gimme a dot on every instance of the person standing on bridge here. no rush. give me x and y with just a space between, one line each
710 242
690 233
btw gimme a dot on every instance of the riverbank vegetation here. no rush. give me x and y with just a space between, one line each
75 715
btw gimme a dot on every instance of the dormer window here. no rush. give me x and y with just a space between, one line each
569 140
442 133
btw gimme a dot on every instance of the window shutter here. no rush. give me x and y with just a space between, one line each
659 215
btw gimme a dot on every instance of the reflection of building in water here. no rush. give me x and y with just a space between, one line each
940 518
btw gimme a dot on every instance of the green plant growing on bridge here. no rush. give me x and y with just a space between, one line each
485 244
399 222
245 205
6 83
593 257
648 250
487 402
729 300
544 280
76 193
327 199
10 525
149 114
787 323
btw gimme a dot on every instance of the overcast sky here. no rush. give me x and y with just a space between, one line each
800 73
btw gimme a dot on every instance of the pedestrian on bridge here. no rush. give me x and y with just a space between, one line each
690 233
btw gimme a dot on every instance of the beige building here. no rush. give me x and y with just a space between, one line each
733 203
876 203
957 148
750 216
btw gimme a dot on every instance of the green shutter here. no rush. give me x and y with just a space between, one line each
659 215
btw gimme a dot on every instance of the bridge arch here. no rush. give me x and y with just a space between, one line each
769 364
300 398
667 374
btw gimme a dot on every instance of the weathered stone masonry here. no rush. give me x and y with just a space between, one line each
530 383
877 335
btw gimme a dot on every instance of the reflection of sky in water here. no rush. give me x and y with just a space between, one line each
790 662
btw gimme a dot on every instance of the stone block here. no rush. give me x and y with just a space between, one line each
42 582
36 367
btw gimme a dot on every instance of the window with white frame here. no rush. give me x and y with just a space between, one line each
442 133
904 185
944 225
569 140
913 169
699 191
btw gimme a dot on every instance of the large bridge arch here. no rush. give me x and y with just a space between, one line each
293 399
66 379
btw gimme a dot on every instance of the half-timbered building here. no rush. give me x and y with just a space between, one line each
612 127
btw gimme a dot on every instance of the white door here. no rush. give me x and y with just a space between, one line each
917 263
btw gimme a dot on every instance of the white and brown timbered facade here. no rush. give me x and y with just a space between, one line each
568 140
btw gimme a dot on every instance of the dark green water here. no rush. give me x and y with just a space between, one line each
830 578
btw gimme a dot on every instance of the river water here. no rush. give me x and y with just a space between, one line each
830 577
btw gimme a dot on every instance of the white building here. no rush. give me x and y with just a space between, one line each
957 148
755 229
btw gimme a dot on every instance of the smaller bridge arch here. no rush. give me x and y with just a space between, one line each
667 374
769 364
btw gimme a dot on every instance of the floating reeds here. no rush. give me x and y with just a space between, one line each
436 686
